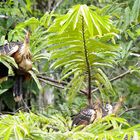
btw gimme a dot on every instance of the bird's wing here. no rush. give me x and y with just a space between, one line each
85 117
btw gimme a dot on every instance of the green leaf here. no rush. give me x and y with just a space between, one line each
88 20
105 81
35 79
8 133
33 23
28 5
79 37
3 90
8 61
135 10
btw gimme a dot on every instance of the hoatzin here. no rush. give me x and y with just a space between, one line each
88 115
93 113
22 56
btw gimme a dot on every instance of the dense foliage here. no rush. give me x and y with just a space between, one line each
80 53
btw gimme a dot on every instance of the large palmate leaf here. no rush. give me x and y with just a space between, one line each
38 127
80 42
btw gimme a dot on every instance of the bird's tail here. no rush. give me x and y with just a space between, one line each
18 90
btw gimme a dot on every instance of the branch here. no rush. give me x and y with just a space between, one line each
115 78
52 80
52 84
57 5
3 16
56 83
135 54
120 76
130 109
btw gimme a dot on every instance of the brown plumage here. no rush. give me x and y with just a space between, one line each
96 111
89 115
85 117
22 55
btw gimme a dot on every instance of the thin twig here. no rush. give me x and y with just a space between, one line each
130 109
3 16
20 108
7 113
55 83
115 78
51 80
120 76
57 5
135 54
26 106
50 83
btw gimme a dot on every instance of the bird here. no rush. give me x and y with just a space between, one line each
107 109
84 117
21 53
113 108
88 115
93 113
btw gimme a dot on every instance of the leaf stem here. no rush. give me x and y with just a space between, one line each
87 62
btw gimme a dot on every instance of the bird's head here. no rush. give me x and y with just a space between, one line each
27 37
109 108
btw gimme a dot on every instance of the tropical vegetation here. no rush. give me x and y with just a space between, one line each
81 51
